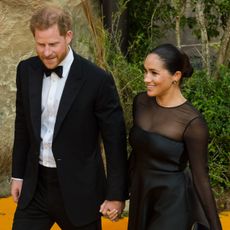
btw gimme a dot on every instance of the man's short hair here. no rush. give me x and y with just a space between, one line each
48 16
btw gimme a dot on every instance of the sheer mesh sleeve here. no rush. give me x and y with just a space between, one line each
196 141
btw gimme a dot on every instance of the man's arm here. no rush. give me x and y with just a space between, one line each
113 132
21 135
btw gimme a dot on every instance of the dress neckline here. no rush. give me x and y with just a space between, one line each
170 107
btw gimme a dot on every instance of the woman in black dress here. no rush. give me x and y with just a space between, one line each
168 134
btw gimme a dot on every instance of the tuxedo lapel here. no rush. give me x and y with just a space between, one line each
73 84
35 91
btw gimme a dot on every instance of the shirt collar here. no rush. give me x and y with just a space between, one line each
67 62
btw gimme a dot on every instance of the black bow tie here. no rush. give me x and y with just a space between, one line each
58 70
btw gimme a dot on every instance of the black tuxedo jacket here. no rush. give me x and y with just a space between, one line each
89 110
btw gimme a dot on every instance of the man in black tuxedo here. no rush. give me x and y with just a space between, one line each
65 105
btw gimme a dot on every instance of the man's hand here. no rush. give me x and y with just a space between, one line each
16 187
112 209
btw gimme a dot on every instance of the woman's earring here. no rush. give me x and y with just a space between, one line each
174 82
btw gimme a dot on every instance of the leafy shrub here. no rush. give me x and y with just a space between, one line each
148 23
212 98
128 76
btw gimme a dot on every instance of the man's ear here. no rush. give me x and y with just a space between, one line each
69 36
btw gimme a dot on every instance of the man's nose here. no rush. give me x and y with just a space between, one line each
47 51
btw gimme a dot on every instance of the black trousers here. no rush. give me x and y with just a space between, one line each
47 207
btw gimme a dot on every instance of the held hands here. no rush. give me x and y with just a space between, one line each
112 209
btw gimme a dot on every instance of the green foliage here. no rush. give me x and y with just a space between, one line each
148 23
211 97
128 76
223 10
216 14
151 21
213 14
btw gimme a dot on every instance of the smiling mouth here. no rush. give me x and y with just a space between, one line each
150 86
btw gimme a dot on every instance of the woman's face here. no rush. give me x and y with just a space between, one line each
157 78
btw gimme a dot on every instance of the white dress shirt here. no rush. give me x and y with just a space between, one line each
52 90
